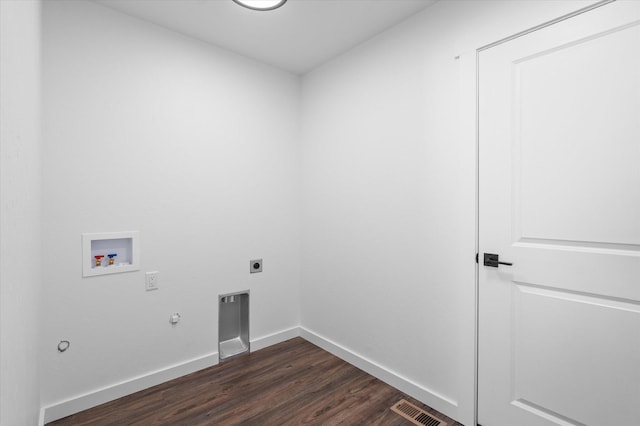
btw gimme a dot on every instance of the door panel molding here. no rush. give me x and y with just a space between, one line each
544 25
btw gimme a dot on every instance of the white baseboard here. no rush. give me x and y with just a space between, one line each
274 338
41 417
427 396
83 402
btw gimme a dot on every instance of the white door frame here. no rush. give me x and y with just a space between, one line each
466 65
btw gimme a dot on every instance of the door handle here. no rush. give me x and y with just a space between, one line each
493 260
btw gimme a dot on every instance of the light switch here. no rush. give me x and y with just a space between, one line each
151 280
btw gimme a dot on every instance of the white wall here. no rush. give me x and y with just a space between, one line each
20 212
199 150
388 265
196 148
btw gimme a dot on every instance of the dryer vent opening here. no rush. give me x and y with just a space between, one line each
233 325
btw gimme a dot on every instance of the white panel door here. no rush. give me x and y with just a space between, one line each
559 197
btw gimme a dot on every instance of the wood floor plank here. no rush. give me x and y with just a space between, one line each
292 383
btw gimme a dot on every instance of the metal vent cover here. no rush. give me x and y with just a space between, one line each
416 415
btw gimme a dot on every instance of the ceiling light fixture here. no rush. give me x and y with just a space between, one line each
261 4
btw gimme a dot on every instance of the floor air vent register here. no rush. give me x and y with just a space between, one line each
415 414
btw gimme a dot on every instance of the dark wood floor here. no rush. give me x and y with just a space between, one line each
292 383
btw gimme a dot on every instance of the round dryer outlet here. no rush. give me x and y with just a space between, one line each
255 266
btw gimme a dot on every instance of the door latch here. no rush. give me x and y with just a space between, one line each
493 260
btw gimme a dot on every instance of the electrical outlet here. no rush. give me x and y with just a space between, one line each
151 280
255 266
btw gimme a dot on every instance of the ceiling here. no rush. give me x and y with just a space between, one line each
297 37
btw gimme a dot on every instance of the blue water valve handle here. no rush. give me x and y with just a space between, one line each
111 256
